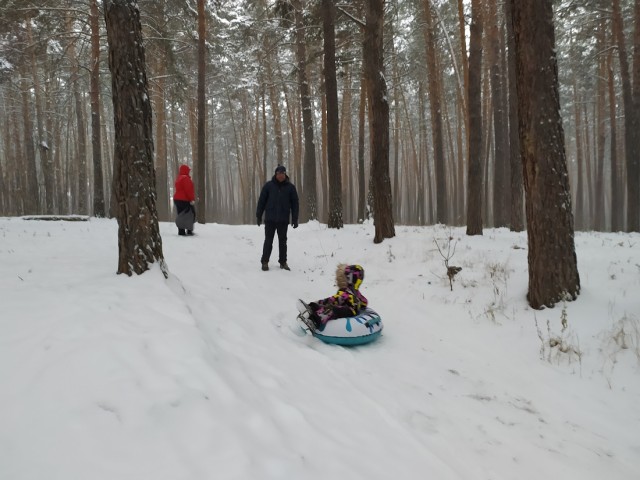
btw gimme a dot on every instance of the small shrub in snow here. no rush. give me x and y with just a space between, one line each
559 348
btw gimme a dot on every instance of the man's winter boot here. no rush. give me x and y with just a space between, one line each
284 266
265 266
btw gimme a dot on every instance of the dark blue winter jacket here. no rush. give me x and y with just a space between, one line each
276 200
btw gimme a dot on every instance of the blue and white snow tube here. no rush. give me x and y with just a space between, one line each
363 328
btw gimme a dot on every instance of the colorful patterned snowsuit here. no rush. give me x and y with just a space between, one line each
348 300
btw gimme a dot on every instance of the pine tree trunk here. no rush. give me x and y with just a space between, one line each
265 150
599 196
580 207
515 161
309 210
588 138
81 127
422 211
435 104
19 169
633 168
30 193
4 142
333 127
347 171
474 177
362 184
200 180
553 270
324 169
139 241
162 173
379 121
501 194
617 196
631 127
96 140
42 136
275 109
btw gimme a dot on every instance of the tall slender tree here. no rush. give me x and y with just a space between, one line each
161 65
83 206
379 121
29 193
631 115
333 128
501 195
96 139
553 268
309 210
435 104
201 169
474 177
617 195
139 241
517 195
362 185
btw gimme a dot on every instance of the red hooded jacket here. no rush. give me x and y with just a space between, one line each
184 186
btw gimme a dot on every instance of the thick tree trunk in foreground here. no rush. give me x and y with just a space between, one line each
139 241
553 269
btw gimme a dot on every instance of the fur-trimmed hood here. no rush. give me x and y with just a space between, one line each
349 277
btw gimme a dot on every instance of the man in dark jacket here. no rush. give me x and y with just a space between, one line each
278 199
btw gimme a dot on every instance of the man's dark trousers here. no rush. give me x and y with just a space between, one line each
270 229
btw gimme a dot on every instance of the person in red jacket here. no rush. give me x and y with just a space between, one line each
184 198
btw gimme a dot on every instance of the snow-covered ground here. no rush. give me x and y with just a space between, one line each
207 375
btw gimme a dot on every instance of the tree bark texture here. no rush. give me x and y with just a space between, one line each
633 165
309 210
517 194
553 269
43 142
96 140
631 133
617 195
501 194
379 121
162 172
598 216
30 192
139 241
202 118
475 176
333 128
81 164
161 61
435 104
362 185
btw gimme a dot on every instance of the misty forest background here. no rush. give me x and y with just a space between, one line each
265 80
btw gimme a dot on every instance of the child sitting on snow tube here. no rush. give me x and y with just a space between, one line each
348 300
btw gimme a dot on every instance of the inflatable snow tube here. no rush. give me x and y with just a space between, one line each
363 328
